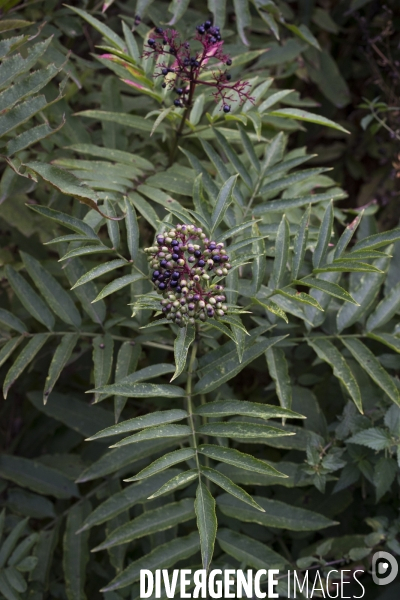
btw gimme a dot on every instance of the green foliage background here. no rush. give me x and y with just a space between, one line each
74 139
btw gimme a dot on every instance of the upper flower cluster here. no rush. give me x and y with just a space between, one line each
188 65
184 262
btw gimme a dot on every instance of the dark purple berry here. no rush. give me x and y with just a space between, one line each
161 278
156 274
179 289
207 25
174 243
164 71
163 263
201 263
164 85
224 258
216 258
160 240
201 29
229 62
176 275
151 41
179 91
159 30
212 246
175 257
228 76
137 19
218 38
173 283
162 286
226 108
177 102
197 253
213 40
196 297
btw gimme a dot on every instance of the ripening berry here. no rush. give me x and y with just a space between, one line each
159 30
228 62
177 103
226 108
151 41
164 71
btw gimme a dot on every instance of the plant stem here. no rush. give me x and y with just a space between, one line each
182 123
189 404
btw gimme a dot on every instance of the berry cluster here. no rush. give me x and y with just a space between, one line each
184 262
187 65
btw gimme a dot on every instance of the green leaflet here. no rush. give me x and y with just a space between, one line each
56 297
37 477
229 366
249 551
59 360
151 420
118 284
132 229
166 461
164 556
99 271
10 320
333 289
29 298
102 355
277 514
142 390
303 115
151 433
227 484
76 552
67 220
372 366
223 201
300 244
158 519
278 370
204 506
385 310
184 339
239 459
324 236
222 408
26 355
136 493
179 481
281 253
330 354
241 430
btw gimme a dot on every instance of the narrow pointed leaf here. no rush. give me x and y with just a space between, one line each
223 201
226 484
238 459
66 220
324 237
29 298
333 289
150 522
150 420
206 522
132 229
378 240
373 367
299 297
385 310
99 271
327 352
249 551
277 514
179 481
75 552
222 408
142 390
278 370
184 339
11 321
347 235
103 352
9 348
24 358
162 557
118 284
152 433
300 244
242 430
59 360
57 298
281 253
163 463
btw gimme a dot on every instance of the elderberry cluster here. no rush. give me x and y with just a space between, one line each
184 262
187 65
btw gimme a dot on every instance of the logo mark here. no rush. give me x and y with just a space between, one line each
384 568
